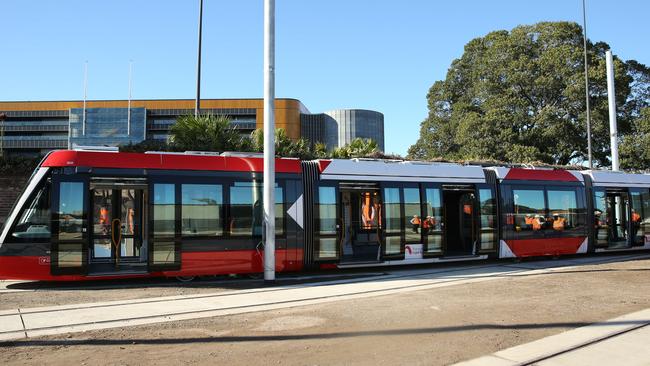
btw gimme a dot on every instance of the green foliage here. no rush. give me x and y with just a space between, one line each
635 147
18 165
518 96
206 133
358 148
214 133
284 145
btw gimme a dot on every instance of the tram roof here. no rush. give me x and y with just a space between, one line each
166 161
608 178
399 171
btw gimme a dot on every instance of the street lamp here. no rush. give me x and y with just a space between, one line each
584 29
197 106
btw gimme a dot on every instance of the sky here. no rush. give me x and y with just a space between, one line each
330 54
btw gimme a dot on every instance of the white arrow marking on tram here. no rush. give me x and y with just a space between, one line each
295 211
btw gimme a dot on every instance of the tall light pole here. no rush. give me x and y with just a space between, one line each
269 140
584 29
611 98
197 105
128 108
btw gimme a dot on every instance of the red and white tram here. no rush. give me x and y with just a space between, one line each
91 214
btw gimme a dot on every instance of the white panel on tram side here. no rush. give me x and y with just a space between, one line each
401 170
505 251
583 247
33 183
500 171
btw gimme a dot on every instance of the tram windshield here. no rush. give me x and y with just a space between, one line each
34 220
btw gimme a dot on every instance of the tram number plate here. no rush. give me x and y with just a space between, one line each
44 261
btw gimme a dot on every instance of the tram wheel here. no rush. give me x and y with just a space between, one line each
185 278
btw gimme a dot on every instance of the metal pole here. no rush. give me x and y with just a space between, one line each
584 29
611 97
197 106
269 140
128 116
83 118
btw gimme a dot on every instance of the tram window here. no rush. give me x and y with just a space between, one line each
393 212
102 210
564 211
645 220
164 210
488 218
529 210
639 217
70 211
413 220
327 210
600 218
201 209
393 221
34 221
247 209
432 223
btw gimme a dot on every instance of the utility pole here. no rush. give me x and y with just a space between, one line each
197 106
83 118
611 98
584 29
269 140
128 116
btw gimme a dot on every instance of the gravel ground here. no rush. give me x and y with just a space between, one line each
435 326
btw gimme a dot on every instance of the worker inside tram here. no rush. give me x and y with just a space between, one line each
361 224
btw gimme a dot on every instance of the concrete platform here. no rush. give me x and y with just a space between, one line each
32 322
621 341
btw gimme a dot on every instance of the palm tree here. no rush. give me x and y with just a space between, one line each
206 132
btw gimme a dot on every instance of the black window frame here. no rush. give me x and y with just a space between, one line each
402 234
425 238
67 176
317 222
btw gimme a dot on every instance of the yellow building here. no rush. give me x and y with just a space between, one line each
31 128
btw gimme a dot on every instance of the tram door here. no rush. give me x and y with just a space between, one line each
460 222
69 224
361 223
611 218
117 218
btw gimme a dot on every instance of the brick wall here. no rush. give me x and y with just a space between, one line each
10 188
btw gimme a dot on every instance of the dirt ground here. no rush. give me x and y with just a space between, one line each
435 326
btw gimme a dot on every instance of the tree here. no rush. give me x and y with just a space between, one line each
357 148
206 133
284 145
518 96
635 147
